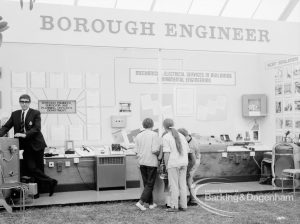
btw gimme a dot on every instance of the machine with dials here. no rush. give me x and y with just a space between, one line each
9 167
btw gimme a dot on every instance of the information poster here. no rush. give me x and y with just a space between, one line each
287 97
68 101
57 106
150 106
211 107
185 101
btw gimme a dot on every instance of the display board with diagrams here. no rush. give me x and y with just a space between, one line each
69 103
211 107
187 103
150 106
287 100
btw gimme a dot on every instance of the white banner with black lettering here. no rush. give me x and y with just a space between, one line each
69 25
183 77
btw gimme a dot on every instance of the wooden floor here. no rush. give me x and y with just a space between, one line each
81 197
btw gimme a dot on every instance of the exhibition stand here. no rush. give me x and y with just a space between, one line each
96 74
235 163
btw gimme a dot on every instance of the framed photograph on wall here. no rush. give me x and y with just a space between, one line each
297 105
297 124
279 123
278 107
288 123
125 107
296 71
288 105
287 72
297 87
288 89
278 89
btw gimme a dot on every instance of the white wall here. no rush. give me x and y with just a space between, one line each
113 65
268 123
247 76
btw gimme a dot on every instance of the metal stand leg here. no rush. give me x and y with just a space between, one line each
294 184
5 205
24 191
20 201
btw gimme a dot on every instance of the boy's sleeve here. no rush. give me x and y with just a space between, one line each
156 142
136 146
166 145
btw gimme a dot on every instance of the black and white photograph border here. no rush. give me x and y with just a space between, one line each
78 78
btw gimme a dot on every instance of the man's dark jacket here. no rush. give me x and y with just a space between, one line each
34 137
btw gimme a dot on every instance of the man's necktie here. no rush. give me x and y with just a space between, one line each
22 123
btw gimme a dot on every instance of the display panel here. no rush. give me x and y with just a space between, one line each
254 105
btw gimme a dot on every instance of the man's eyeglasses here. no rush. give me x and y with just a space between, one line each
24 101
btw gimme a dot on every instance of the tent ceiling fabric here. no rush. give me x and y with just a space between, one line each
295 14
240 8
207 7
283 10
264 12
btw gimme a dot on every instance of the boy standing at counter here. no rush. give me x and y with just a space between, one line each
147 146
194 162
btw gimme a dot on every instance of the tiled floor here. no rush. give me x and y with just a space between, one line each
78 197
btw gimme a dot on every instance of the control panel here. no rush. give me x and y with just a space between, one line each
118 121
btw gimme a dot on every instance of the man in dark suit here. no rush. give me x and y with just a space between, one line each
27 127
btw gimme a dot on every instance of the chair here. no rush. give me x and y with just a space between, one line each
8 186
292 173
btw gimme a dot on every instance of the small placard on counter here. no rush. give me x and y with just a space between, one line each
224 154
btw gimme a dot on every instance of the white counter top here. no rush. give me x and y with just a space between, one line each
260 147
237 149
256 148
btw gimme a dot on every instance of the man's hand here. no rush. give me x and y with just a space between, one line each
20 135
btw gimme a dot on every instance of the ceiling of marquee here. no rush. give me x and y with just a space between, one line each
275 10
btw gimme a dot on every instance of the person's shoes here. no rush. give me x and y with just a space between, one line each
190 203
153 206
140 206
52 187
36 196
182 209
171 210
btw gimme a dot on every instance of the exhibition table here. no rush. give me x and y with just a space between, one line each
234 163
79 173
